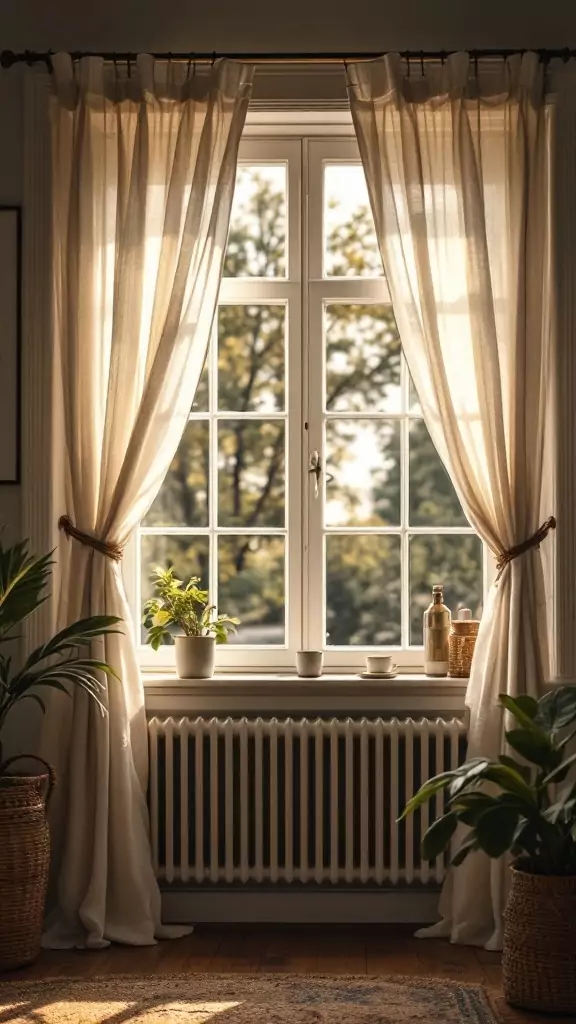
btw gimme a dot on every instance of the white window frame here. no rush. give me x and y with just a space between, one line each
304 292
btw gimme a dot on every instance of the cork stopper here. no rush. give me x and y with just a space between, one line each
464 614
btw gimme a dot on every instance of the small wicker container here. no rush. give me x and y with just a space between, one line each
461 646
24 861
539 958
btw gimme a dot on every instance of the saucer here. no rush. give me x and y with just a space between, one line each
379 675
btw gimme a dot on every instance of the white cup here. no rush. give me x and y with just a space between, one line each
379 663
309 664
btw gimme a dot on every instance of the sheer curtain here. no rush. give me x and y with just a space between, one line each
144 162
455 157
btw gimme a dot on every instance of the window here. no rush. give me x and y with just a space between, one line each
306 492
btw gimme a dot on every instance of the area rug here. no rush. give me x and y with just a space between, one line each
243 999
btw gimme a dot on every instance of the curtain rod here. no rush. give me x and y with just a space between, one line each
8 57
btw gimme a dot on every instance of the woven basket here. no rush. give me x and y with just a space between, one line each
461 644
539 958
24 861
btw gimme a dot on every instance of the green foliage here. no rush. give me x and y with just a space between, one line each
56 664
521 811
184 605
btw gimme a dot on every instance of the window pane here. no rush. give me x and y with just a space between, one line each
433 500
362 590
257 238
251 367
350 246
251 587
188 555
250 473
455 561
363 456
363 354
183 497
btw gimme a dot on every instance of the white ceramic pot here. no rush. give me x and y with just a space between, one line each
195 656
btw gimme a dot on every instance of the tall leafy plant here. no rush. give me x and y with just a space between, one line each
183 605
514 803
57 664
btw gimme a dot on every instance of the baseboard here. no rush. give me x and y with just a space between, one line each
224 905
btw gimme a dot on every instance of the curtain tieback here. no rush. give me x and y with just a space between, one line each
504 557
113 551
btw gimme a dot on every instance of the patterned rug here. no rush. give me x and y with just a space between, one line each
243 999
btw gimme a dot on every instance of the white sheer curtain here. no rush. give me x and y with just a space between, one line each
456 162
144 163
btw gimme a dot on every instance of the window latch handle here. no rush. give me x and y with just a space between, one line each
317 470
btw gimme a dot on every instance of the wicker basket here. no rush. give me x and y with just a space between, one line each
461 646
539 959
24 861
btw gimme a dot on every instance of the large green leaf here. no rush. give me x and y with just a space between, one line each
510 781
469 806
559 773
523 770
523 707
468 845
535 746
557 709
438 836
495 829
426 792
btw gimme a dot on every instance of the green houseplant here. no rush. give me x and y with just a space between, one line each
523 804
186 606
59 664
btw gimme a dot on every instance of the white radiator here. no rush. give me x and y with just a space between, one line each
312 802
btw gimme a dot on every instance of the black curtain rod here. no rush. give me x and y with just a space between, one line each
8 57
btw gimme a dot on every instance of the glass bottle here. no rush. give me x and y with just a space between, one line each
437 623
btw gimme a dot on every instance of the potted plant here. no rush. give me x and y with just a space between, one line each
185 606
57 664
528 809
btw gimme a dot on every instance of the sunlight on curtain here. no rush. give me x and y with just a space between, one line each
456 163
144 167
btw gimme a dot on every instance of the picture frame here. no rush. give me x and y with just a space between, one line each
10 343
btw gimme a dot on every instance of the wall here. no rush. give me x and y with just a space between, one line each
182 25
11 192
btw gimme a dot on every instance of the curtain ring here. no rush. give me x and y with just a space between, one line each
422 62
476 63
188 69
407 58
442 57
129 65
213 58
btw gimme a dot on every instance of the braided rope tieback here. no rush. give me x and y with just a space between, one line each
113 551
505 557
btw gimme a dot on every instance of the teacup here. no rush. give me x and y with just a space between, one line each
309 664
379 664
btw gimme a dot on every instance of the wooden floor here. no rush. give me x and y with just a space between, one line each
390 949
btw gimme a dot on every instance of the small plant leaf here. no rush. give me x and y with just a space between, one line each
557 709
495 830
535 746
438 836
524 708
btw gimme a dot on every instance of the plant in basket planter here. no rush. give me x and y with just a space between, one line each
58 664
524 805
185 606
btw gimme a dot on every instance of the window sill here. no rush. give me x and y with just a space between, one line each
286 693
